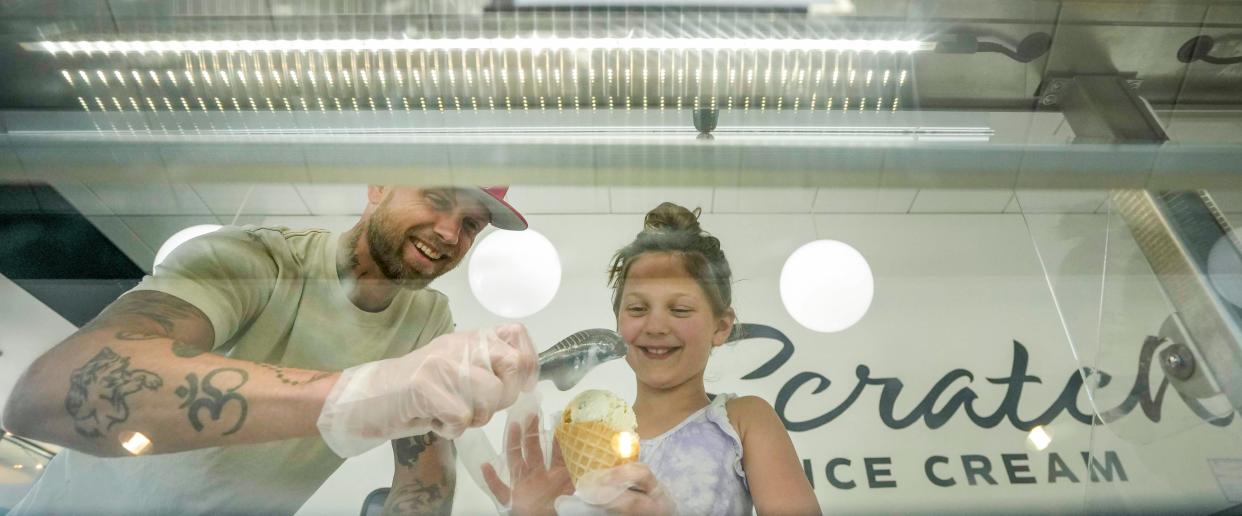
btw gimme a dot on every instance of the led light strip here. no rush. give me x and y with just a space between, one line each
530 44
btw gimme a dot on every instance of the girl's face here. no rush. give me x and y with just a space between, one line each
667 322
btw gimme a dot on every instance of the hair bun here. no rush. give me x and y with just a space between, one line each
670 228
671 217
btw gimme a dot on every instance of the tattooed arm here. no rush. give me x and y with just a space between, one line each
425 476
142 366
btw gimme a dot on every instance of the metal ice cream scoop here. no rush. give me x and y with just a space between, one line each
568 361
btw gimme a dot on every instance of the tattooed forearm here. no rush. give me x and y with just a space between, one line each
288 378
184 350
408 449
98 392
417 497
179 348
137 335
425 477
216 392
161 309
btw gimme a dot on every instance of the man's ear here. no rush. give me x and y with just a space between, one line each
724 327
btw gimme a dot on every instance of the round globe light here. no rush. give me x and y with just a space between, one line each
1225 268
826 286
514 274
181 237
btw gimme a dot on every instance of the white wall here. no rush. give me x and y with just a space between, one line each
27 329
952 291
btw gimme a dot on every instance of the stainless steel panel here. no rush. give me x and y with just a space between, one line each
1209 320
1142 37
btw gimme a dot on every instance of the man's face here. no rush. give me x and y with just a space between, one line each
416 234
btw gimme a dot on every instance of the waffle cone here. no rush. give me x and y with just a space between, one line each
587 447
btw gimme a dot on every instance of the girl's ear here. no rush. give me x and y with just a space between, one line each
724 327
375 193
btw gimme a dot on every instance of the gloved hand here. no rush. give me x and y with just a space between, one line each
533 483
454 382
627 489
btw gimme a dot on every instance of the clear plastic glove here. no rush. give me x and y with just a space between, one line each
535 480
456 381
627 489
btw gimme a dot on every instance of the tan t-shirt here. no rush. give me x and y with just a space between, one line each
273 295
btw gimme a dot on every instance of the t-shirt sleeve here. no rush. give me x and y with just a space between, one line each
228 274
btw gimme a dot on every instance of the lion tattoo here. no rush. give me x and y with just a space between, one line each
98 392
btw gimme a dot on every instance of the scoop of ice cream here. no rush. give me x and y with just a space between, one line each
601 405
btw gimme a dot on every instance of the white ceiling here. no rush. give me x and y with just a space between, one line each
153 192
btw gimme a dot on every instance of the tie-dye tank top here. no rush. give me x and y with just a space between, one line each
699 462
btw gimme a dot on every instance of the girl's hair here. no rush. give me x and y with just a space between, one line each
674 229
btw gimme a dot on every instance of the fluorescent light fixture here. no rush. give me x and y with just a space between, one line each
532 44
748 4
830 6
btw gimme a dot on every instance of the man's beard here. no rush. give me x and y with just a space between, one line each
385 243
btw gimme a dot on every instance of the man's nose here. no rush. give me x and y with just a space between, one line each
448 229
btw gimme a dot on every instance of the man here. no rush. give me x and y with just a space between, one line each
220 368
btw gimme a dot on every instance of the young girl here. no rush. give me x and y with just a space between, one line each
700 454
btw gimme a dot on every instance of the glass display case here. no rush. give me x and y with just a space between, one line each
983 252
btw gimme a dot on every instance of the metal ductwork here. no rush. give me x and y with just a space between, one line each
1178 233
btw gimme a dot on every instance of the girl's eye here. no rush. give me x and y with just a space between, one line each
682 311
635 309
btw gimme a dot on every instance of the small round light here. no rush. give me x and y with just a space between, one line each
826 286
181 237
135 442
1039 438
514 274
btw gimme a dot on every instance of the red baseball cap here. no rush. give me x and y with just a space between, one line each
504 216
